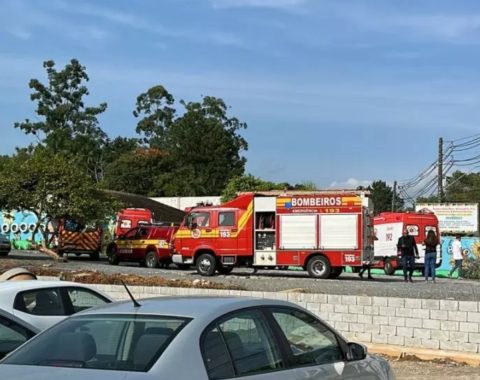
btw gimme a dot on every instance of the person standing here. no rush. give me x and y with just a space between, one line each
458 256
407 250
431 242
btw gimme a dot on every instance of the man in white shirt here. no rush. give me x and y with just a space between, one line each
457 253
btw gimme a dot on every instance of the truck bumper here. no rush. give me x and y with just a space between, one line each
179 259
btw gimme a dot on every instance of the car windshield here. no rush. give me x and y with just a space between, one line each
110 342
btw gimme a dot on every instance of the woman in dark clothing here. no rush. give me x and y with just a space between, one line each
431 242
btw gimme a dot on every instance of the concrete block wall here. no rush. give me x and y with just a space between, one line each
433 324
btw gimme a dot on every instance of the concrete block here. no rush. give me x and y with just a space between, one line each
468 347
440 335
431 304
396 302
349 336
457 336
397 340
387 311
460 316
321 298
469 327
468 306
334 317
357 327
367 319
334 299
341 308
371 310
342 326
349 300
396 321
355 309
326 307
388 330
421 333
405 332
473 317
449 326
449 346
413 303
380 320
379 301
324 315
379 338
413 342
431 324
403 312
474 337
373 329
313 306
365 337
432 344
364 301
439 314
350 318
421 313
449 305
413 322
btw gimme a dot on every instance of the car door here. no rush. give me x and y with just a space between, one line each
77 299
315 351
13 333
227 233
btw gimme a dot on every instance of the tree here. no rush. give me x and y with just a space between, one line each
463 187
382 195
67 126
52 188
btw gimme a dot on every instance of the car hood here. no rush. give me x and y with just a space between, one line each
27 372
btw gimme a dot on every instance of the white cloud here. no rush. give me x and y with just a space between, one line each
351 183
274 4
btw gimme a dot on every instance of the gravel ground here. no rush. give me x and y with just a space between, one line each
276 280
418 370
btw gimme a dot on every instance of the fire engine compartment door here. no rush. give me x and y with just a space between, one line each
298 231
339 231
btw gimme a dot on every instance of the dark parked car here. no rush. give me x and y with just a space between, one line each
5 245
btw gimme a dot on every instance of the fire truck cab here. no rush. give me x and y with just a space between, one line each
321 231
388 229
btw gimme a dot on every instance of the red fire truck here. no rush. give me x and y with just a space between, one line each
388 229
321 231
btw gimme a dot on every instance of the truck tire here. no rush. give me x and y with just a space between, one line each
206 264
389 268
319 267
335 272
224 270
151 260
112 257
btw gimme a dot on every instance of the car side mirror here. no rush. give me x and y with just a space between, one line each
356 351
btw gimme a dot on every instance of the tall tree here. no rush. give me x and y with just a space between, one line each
382 195
52 187
463 187
66 125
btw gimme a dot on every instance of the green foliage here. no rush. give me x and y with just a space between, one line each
382 195
52 186
66 125
463 187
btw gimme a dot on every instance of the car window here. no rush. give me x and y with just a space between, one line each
40 302
12 335
310 341
110 342
241 344
132 234
226 219
82 299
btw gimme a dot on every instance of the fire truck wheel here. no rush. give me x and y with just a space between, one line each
112 257
151 260
206 264
319 267
336 272
389 268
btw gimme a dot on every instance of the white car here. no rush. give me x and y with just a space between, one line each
44 303
193 338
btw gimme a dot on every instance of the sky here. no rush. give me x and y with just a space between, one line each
337 92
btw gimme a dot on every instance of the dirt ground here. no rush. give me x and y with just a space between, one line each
432 370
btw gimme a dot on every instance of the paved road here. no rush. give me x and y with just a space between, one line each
415 370
276 280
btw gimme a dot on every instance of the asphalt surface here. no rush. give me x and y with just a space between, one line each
278 280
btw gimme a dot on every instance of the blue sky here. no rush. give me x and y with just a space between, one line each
335 92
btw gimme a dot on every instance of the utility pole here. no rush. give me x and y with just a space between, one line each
440 171
394 195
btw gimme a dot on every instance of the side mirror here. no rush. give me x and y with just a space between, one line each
356 351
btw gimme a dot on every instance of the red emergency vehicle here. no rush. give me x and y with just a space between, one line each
321 231
389 227
129 218
74 237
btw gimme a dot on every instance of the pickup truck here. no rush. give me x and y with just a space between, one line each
148 244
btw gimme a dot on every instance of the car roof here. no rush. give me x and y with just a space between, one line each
188 307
